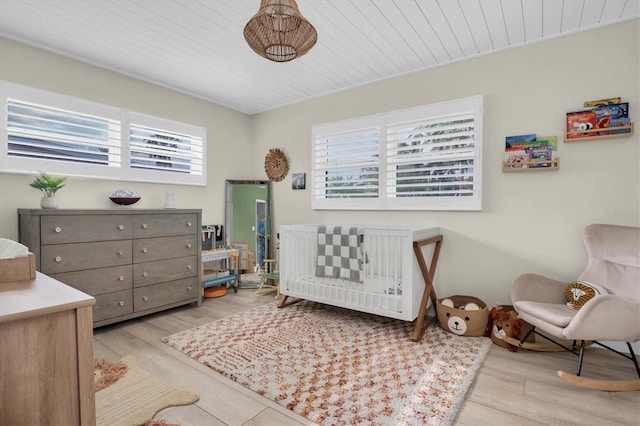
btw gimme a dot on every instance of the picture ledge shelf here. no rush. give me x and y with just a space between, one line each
509 167
581 133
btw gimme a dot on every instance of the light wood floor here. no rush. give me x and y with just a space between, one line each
518 388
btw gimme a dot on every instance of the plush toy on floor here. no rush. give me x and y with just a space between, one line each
504 322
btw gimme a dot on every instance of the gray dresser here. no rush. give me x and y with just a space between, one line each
134 262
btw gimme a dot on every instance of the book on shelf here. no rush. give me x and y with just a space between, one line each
543 151
602 102
530 151
620 122
516 158
552 142
579 121
516 150
606 113
519 140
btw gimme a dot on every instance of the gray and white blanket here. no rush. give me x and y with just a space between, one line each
339 254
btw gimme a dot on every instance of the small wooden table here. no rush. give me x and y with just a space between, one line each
46 361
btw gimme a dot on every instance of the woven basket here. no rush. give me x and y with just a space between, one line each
460 321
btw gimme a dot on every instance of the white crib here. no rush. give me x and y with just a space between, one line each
389 281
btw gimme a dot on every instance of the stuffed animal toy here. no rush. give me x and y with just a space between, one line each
505 322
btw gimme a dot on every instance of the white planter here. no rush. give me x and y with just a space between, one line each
49 202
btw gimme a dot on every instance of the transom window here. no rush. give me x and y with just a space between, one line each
425 158
44 131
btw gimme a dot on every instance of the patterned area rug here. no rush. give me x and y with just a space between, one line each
336 367
134 397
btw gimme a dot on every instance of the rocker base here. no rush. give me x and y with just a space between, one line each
603 385
542 347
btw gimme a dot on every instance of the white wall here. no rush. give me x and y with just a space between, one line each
530 221
227 136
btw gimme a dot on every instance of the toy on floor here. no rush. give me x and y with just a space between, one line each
504 322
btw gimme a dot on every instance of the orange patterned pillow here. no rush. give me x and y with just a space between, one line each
580 292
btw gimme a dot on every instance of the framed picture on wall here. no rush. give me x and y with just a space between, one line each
297 181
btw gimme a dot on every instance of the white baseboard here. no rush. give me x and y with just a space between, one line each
621 347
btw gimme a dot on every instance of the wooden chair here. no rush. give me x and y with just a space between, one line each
270 277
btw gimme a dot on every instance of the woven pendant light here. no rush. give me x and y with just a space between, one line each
279 32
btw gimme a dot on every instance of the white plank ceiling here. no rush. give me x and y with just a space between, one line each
197 47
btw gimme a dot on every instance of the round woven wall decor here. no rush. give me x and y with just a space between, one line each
276 165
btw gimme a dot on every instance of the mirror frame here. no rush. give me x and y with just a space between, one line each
229 184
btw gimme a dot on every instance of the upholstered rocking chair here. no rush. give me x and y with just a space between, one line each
603 305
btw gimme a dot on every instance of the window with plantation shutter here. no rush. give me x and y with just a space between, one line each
175 151
425 158
346 165
37 131
44 131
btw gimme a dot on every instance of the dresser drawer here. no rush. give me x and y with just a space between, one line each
148 273
153 296
99 281
165 225
84 228
77 257
150 249
112 305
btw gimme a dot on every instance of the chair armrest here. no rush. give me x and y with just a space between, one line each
538 288
606 317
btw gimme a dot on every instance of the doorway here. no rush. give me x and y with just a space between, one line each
261 233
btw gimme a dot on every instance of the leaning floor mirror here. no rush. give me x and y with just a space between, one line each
248 224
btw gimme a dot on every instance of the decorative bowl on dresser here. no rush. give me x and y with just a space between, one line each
134 262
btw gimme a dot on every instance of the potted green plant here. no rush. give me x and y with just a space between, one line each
49 185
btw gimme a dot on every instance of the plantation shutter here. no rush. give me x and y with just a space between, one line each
346 166
162 150
431 158
48 133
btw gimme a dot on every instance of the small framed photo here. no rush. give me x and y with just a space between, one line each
297 181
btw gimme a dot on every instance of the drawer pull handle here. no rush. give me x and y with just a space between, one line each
120 227
145 274
58 229
120 252
189 288
188 245
121 278
189 267
188 223
121 303
145 298
144 249
144 226
58 259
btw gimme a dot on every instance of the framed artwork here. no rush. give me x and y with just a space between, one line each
297 181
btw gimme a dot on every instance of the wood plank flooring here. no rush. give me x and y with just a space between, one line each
512 388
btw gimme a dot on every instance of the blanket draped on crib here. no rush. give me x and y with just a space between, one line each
339 253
